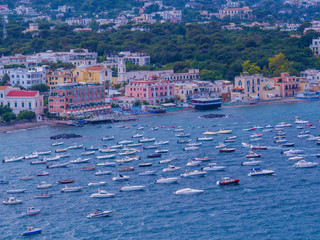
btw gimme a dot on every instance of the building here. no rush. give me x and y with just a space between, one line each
93 74
19 100
315 47
140 59
289 85
242 13
25 77
59 77
192 74
33 27
254 87
186 90
78 99
153 90
79 62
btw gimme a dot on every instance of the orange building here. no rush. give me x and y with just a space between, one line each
289 85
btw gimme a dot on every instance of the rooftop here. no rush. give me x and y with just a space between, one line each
22 93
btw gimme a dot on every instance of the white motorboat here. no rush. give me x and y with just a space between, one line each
88 153
260 172
145 140
268 126
80 160
151 147
116 146
299 127
38 162
267 130
99 213
14 191
168 180
140 128
124 142
203 159
59 150
293 152
305 164
91 148
57 143
161 143
67 189
127 159
298 121
214 167
252 154
48 159
182 135
224 131
196 144
147 173
188 191
220 145
161 151
31 156
99 173
134 145
12 201
102 194
313 138
58 165
284 124
171 168
107 150
107 164
42 153
94 184
76 146
44 185
303 135
246 145
195 173
13 159
165 161
64 155
190 148
132 188
31 211
129 152
121 177
107 138
255 139
137 135
193 163
296 158
204 139
251 163
108 156
210 133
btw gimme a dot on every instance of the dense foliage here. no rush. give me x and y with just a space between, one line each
6 113
40 87
25 114
219 54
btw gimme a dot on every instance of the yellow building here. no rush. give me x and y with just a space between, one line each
254 87
93 74
59 77
185 90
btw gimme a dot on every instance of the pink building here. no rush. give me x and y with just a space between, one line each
153 91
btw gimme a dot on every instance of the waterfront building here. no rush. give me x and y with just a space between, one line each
19 100
153 90
25 77
289 85
315 46
59 76
93 74
254 87
83 61
78 99
185 91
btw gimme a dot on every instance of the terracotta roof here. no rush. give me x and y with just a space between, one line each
22 94
3 88
95 68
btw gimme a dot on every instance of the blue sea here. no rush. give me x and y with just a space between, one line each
282 206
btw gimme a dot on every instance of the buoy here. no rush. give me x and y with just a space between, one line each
116 213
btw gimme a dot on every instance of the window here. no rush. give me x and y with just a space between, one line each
258 81
29 104
15 104
22 104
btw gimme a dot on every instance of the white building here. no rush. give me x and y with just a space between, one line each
140 59
19 100
315 46
25 77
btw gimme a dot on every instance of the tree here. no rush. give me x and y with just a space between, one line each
137 103
145 102
250 68
8 116
40 87
25 114
5 80
279 64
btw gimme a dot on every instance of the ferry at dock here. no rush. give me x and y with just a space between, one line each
206 103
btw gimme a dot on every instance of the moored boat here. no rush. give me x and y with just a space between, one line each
31 211
32 231
228 181
188 191
99 213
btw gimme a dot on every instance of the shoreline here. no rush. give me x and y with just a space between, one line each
33 125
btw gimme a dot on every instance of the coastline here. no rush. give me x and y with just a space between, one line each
26 126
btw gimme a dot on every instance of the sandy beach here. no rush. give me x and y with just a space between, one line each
25 126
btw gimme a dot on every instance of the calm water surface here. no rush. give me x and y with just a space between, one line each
283 206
